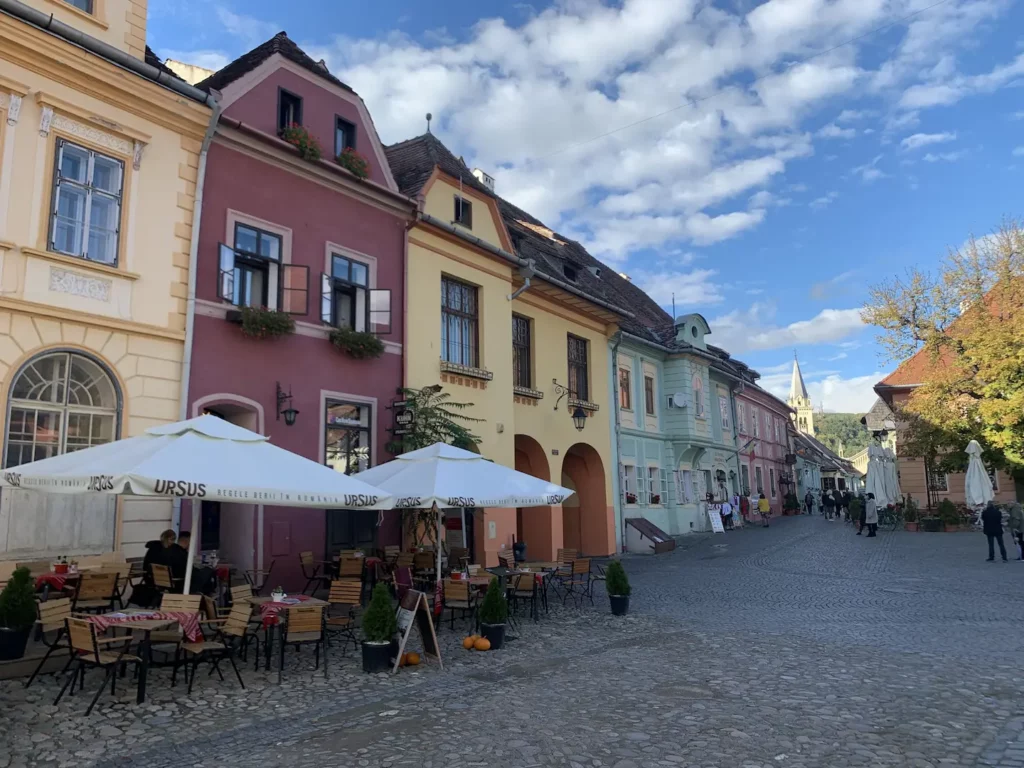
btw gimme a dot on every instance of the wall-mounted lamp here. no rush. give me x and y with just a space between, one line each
289 413
578 415
579 418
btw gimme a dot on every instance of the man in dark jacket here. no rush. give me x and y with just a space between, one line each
992 524
847 498
157 551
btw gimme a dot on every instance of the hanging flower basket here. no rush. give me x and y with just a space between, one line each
263 323
354 163
302 140
357 344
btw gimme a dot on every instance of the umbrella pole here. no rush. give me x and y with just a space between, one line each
437 512
192 547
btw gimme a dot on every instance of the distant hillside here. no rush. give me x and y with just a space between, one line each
835 429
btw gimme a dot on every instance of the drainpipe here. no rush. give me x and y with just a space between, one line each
526 272
615 407
193 258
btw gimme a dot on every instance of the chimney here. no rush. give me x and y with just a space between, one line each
484 178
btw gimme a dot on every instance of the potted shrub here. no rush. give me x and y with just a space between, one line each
949 515
910 515
357 344
302 140
17 614
379 626
617 585
354 163
262 323
493 614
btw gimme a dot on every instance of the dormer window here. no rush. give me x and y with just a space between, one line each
569 272
289 109
463 212
693 331
344 135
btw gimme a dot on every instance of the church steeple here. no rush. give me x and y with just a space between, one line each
800 400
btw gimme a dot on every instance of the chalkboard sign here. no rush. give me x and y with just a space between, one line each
414 610
715 517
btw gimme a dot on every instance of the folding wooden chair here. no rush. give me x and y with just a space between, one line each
311 573
391 553
52 615
579 585
405 560
238 629
563 573
457 558
303 625
163 580
347 595
350 568
169 641
257 578
523 588
85 649
458 597
211 651
506 559
96 591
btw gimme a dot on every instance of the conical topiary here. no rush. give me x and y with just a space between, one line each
494 609
17 601
379 623
615 580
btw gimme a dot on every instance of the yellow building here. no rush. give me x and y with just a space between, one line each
100 154
505 315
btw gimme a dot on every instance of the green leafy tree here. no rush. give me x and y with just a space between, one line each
968 318
379 622
842 430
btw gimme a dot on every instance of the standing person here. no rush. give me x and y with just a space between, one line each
764 508
727 515
745 506
847 498
1016 526
992 525
809 502
870 516
734 500
864 513
829 503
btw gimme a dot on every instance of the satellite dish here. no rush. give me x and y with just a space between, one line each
679 400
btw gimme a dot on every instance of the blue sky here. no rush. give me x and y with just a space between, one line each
772 170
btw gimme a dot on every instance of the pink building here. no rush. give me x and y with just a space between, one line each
762 421
311 239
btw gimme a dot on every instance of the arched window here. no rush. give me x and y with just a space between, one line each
60 402
698 396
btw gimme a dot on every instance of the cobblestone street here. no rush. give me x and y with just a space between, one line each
795 646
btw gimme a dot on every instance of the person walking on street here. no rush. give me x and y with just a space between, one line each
992 525
1016 526
870 516
764 508
847 498
809 502
830 504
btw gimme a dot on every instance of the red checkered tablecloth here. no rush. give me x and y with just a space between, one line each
189 622
54 580
270 610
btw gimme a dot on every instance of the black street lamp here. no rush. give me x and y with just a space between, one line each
578 415
289 413
579 418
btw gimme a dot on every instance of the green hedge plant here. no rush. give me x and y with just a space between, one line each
379 622
615 580
494 609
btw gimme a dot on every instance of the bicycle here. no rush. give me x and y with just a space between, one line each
890 519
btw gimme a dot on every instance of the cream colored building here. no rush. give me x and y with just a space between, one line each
98 170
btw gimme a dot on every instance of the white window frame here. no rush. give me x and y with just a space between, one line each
741 416
629 483
654 484
90 191
274 268
755 419
723 407
698 396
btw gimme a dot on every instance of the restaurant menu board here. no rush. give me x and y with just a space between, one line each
715 516
414 610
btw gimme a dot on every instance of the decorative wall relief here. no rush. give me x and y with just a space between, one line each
45 120
13 109
65 281
92 134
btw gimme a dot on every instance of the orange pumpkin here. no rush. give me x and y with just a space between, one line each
482 644
404 660
412 659
470 641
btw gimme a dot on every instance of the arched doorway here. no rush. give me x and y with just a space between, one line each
540 528
58 402
587 522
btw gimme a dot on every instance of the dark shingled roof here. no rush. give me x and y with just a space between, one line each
413 161
154 61
875 419
247 62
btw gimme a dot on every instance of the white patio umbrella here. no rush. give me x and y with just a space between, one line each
875 481
441 475
205 458
977 484
892 479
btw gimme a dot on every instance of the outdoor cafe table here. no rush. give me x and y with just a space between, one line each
148 622
269 610
544 573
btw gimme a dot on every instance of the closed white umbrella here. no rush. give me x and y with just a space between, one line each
977 484
892 479
442 476
205 458
875 481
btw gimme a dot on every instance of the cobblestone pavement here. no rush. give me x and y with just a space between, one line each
795 646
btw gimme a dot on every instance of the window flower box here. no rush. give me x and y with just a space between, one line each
631 498
357 344
262 323
656 498
354 163
300 138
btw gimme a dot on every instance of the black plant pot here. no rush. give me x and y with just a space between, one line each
13 642
620 604
376 657
495 633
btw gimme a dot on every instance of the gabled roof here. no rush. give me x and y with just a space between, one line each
247 62
413 161
154 61
875 419
823 454
915 370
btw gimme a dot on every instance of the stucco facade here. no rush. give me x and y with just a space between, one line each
99 300
294 226
459 330
763 421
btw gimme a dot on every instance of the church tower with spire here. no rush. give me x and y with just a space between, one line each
800 401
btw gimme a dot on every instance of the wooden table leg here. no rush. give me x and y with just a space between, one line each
268 642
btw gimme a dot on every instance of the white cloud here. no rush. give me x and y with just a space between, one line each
824 201
947 88
1018 151
944 157
852 115
827 288
832 391
250 30
918 140
870 172
694 287
742 330
833 131
840 356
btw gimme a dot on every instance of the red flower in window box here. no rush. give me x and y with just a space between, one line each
631 498
656 498
302 140
354 163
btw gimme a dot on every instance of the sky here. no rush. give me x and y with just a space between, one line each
765 162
